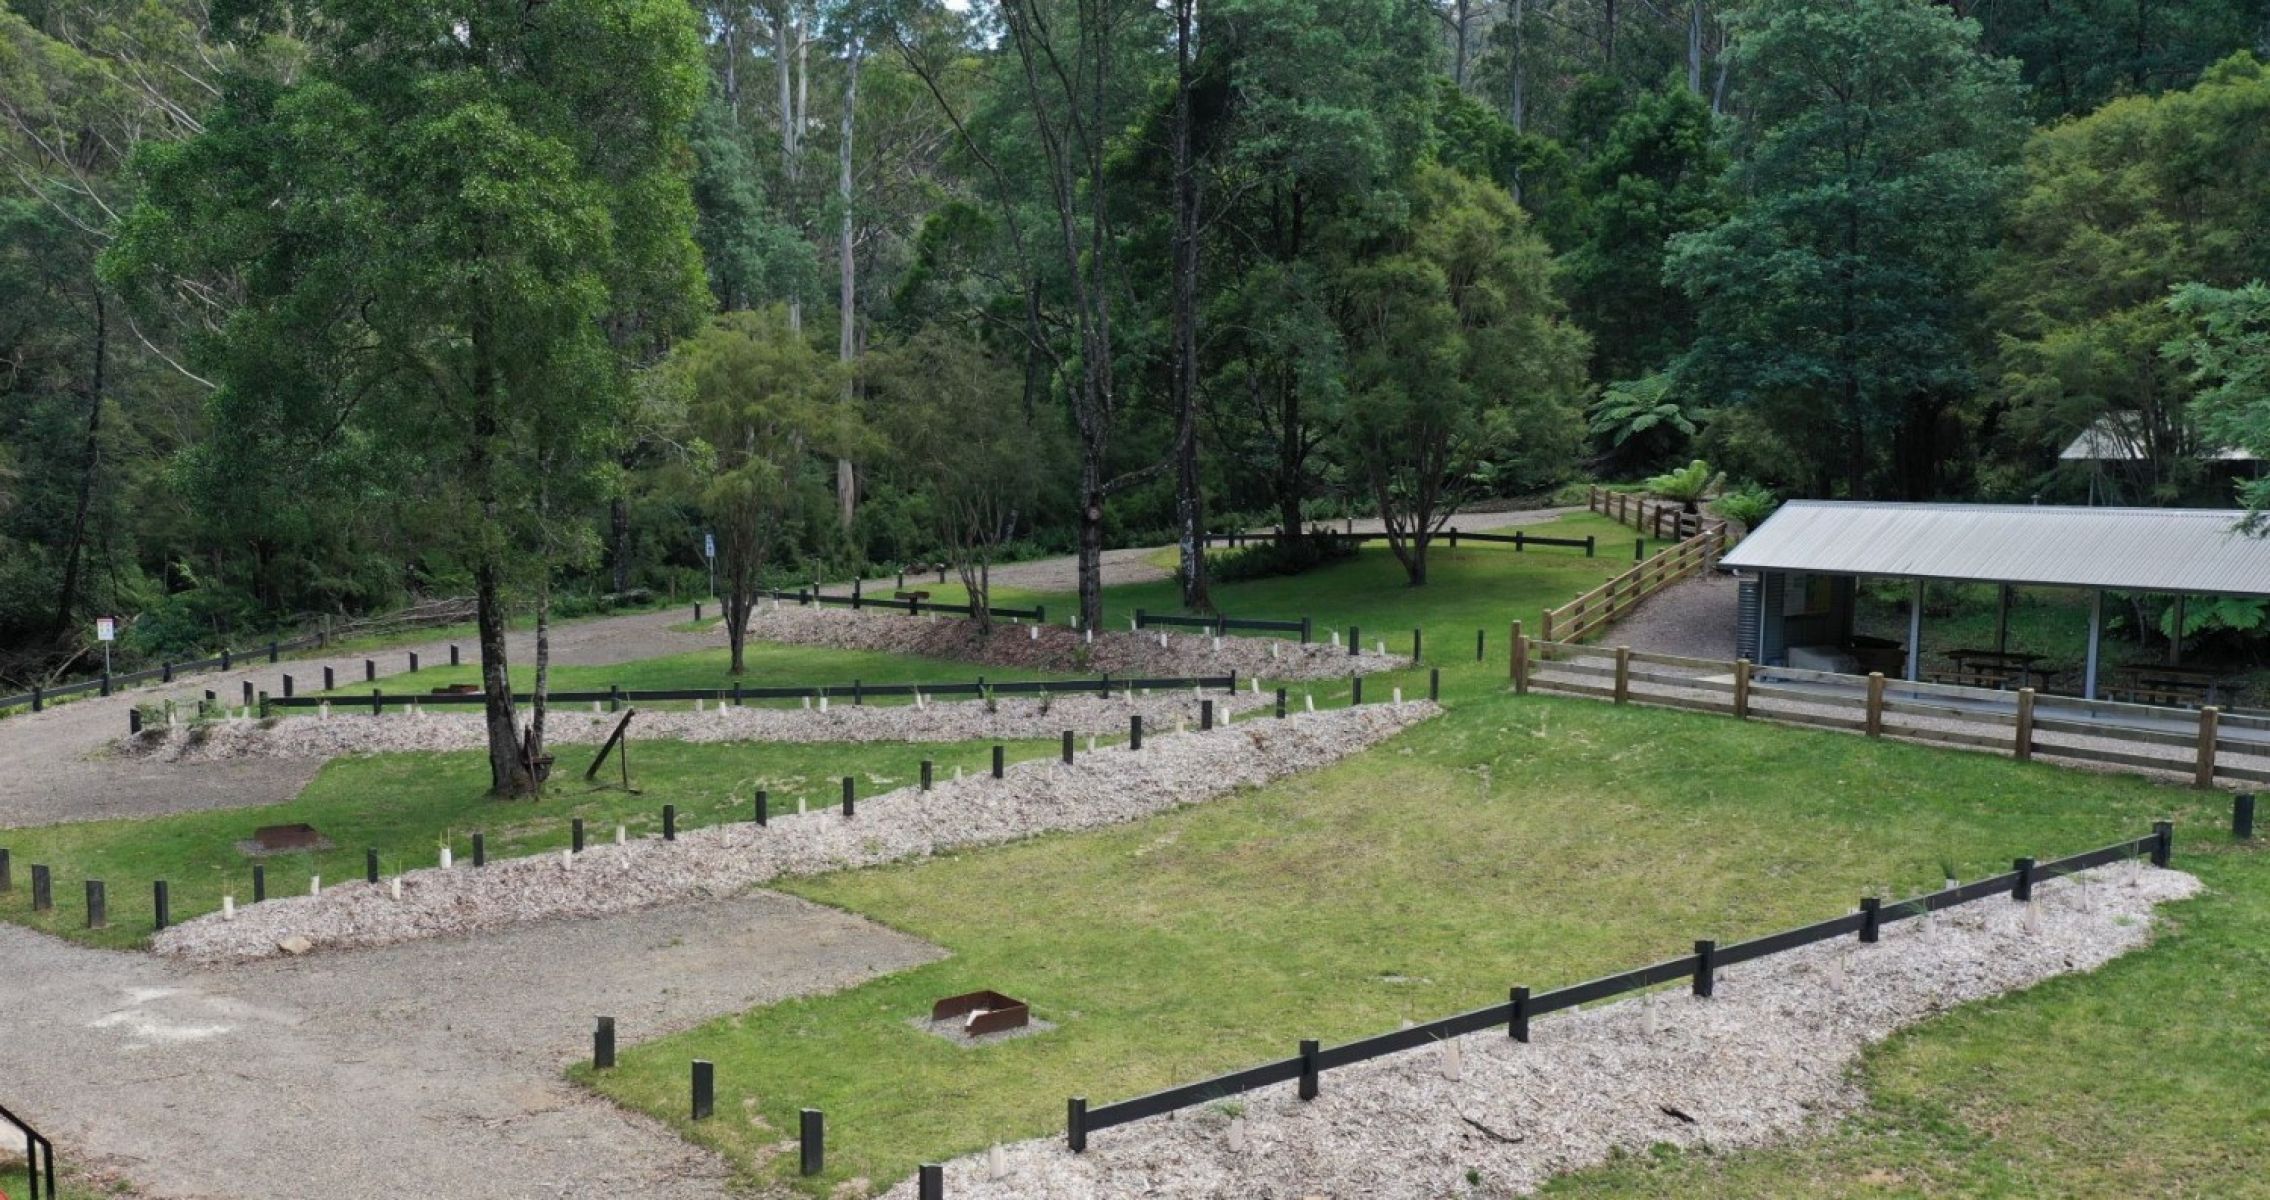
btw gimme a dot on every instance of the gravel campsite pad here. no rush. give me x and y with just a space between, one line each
1102 788
1057 648
344 731
1767 1058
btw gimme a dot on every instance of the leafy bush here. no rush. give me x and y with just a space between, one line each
1747 506
1688 485
1266 559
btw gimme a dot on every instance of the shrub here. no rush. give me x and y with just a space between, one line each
1266 559
1746 506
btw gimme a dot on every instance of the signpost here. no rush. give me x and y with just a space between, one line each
106 632
709 552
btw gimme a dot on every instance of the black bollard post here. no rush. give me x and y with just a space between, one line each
1000 761
811 1141
7 874
248 693
161 912
376 705
330 678
763 806
575 835
2023 889
927 768
1067 747
705 1089
133 720
1871 919
848 810
454 659
413 662
259 884
1434 683
1478 636
43 889
1280 704
603 1044
370 865
98 914
1418 645
1706 967
669 822
287 687
1355 641
480 851
1205 715
1356 690
370 670
2242 829
1309 1051
1135 732
931 1183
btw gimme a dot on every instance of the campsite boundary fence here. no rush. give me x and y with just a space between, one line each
1604 605
1659 518
1522 1007
857 599
856 690
1519 539
1874 705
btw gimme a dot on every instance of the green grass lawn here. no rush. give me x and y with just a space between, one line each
1515 840
1475 587
407 805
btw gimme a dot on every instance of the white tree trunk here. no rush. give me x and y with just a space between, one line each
847 289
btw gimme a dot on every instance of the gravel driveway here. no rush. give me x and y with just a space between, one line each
55 765
418 1070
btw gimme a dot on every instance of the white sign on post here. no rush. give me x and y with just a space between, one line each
709 545
106 629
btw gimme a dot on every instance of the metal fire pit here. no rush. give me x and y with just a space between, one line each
982 1013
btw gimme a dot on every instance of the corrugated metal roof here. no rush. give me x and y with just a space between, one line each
2189 550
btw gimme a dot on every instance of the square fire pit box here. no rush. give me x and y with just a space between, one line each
283 839
976 1017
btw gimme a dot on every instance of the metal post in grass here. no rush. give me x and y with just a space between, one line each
376 704
263 706
1308 631
272 651
1135 732
370 865
1591 546
697 610
1205 715
1517 1024
1280 704
1355 641
248 693
259 884
98 914
763 806
1871 919
1355 690
669 822
858 693
480 850
370 670
1639 549
133 720
931 1182
1479 636
705 1089
928 769
413 662
1067 747
811 1141
575 835
849 799
2242 829
1000 761
161 910
2163 842
7 874
43 889
603 1045
225 658
1418 645
1434 683
2023 889
1076 1124
287 687
1706 967
1309 1052
455 659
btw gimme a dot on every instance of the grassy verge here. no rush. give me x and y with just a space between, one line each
1513 841
407 806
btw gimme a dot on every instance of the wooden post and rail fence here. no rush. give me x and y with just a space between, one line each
1611 601
2209 745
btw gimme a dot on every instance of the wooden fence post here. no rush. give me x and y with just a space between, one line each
1623 673
2025 746
1519 667
2210 727
1547 632
1875 704
1741 689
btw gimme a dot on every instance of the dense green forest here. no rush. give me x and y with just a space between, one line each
315 306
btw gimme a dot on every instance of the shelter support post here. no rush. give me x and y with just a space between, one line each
2175 635
2096 644
2002 619
1915 634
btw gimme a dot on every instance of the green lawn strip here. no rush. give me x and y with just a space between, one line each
1514 840
406 805
1475 587
2142 1079
767 664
